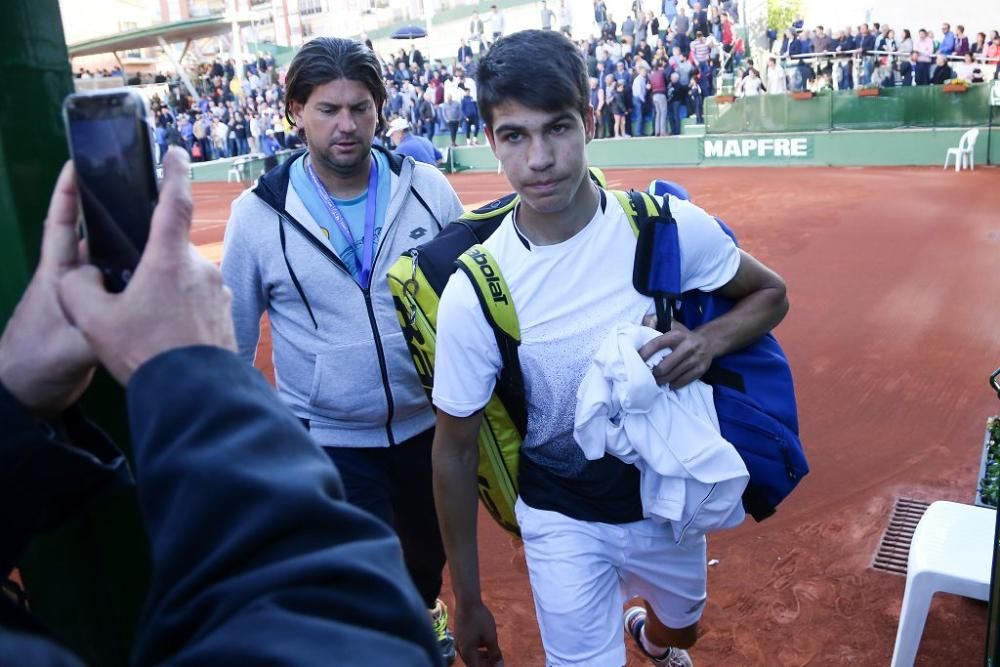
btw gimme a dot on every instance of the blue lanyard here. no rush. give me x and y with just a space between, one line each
364 264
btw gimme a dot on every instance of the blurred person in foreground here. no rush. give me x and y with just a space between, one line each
257 558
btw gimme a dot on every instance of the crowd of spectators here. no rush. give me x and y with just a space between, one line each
232 115
876 55
647 73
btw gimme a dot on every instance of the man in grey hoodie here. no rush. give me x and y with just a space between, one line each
311 245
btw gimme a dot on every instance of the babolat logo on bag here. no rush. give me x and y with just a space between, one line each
489 274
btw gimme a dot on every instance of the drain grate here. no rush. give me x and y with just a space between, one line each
894 549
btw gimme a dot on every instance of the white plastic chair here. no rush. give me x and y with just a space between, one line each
964 151
951 552
237 170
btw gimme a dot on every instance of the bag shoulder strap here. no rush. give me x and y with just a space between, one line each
498 307
500 207
656 268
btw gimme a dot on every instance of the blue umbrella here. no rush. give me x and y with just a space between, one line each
409 32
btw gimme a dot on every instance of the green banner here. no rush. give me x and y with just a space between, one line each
757 148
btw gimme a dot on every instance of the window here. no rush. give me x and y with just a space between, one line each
308 7
203 8
126 26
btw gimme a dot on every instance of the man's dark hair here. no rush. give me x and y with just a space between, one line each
327 59
540 69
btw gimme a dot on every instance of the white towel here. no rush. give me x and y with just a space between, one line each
689 474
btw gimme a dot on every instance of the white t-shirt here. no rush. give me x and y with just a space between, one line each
568 296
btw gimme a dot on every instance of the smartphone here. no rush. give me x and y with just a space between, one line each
111 142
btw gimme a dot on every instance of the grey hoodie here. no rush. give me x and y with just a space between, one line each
339 355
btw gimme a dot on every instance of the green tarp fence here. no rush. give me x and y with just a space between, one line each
910 106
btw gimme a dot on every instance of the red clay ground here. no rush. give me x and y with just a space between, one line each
892 333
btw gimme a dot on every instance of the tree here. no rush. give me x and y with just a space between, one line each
781 13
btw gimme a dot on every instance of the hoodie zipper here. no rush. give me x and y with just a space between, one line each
379 351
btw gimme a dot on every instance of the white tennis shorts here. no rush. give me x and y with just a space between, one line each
582 573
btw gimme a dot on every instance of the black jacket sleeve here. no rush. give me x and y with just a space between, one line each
48 470
257 558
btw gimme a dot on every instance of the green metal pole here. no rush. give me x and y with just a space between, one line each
86 580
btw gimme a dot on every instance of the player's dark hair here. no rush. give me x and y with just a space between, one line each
327 59
540 69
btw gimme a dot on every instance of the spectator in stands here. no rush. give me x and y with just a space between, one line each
800 69
881 30
775 77
867 45
993 50
546 16
820 41
201 130
641 27
607 111
696 100
470 114
682 24
653 33
750 85
706 79
610 28
728 41
255 129
699 19
394 105
628 30
601 12
669 11
269 146
961 41
904 48
476 32
240 132
978 49
424 113
658 89
220 138
942 71
640 88
407 143
619 109
947 40
644 50
964 69
700 49
464 51
924 48
889 42
786 42
714 22
451 112
186 129
908 70
496 23
416 58
676 97
565 18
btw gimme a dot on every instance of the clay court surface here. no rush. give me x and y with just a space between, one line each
893 330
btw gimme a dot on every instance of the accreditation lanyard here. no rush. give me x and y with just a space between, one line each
364 264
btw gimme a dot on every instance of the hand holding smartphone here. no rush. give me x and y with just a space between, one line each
110 141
